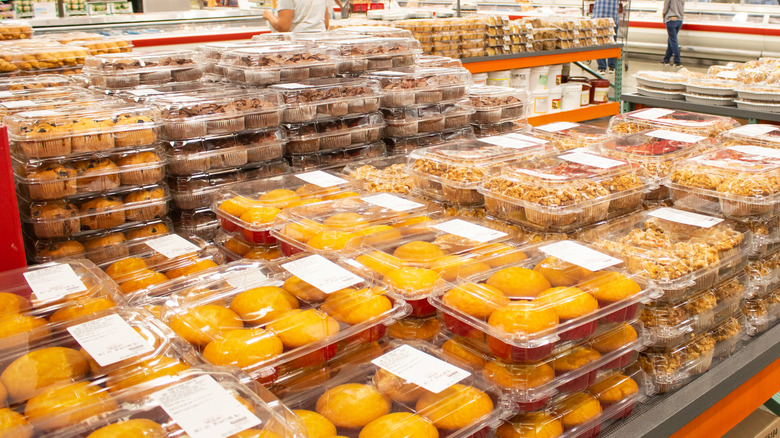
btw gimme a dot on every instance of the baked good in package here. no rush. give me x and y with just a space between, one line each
425 85
35 82
336 158
563 192
120 70
15 30
404 145
283 63
41 57
496 104
333 133
323 98
755 134
738 181
365 54
672 120
426 118
566 135
386 174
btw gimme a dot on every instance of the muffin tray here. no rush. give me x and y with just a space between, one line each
680 252
333 133
186 157
564 192
41 58
234 247
194 115
279 64
62 218
703 99
565 135
76 131
118 71
200 222
758 317
318 318
190 192
404 145
325 98
524 323
379 175
570 369
669 324
34 82
419 119
712 87
333 159
491 129
215 401
458 405
497 104
270 196
737 182
362 54
41 180
425 85
680 121
454 171
773 107
759 92
763 275
328 226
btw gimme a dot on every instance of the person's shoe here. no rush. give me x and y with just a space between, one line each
665 63
602 71
612 69
677 64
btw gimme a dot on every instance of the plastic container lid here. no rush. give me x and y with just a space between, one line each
427 61
380 175
123 64
757 135
564 192
33 82
670 368
333 159
333 133
322 98
660 118
399 145
566 135
425 85
497 104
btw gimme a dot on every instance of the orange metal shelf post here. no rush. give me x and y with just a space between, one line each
578 115
548 58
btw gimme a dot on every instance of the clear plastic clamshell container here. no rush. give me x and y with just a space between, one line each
712 87
362 54
115 71
425 85
72 370
758 317
251 207
564 192
380 175
386 397
35 58
260 320
206 400
587 413
278 64
187 157
665 80
759 93
737 181
328 97
681 252
672 367
234 247
199 222
565 136
411 258
426 118
669 324
188 116
571 368
497 104
334 159
427 61
454 171
77 99
681 121
763 275
655 152
376 31
404 145
527 306
40 180
15 30
767 136
333 133
329 226
33 82
491 129
78 131
63 218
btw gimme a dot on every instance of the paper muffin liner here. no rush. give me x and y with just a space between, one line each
52 190
136 137
428 96
57 228
185 129
302 113
262 120
147 213
225 126
230 157
46 148
103 220
155 77
92 142
142 176
336 141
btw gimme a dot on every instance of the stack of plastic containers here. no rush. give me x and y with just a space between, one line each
331 122
280 63
424 105
361 53
498 110
698 263
704 125
566 136
117 71
40 57
380 175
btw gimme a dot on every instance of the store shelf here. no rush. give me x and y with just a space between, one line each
715 402
589 112
729 111
482 64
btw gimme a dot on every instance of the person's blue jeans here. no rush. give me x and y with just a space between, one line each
672 46
602 63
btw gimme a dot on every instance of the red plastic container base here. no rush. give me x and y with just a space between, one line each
421 308
229 226
317 357
533 406
581 383
518 354
259 237
460 328
288 250
623 315
270 378
580 332
619 362
371 334
590 433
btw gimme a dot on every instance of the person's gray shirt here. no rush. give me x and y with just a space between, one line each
308 15
674 8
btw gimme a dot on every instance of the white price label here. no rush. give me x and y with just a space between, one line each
6 94
247 279
754 129
204 409
685 217
652 113
675 136
392 202
514 141
557 126
172 246
580 255
420 368
321 179
19 104
144 92
109 340
54 282
727 75
187 99
292 86
41 113
592 160
322 273
757 150
467 230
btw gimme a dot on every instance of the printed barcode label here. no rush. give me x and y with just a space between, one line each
579 255
322 273
675 136
592 160
109 340
652 113
321 179
557 126
685 217
470 231
54 282
172 246
392 202
421 368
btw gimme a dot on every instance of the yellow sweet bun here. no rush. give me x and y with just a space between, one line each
400 425
396 388
524 317
414 328
615 338
40 369
237 205
133 428
379 261
254 433
191 268
260 215
614 388
301 327
517 282
412 282
475 299
460 350
577 409
378 234
200 325
561 273
609 287
123 270
243 348
456 407
12 303
518 376
302 231
82 308
354 306
500 254
14 425
345 221
452 267
262 305
317 426
568 302
15 325
279 198
531 425
418 251
144 371
302 290
330 240
68 405
353 405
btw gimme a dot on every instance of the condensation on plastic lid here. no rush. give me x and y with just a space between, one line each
685 217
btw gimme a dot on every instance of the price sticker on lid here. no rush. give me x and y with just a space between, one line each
675 136
420 368
18 104
592 160
652 113
514 141
757 150
580 255
322 273
392 202
110 340
204 409
557 126
685 217
756 130
470 231
321 179
247 279
54 282
172 246
6 94
41 113
292 86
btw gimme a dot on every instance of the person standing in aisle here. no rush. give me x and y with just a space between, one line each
299 16
674 12
607 9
